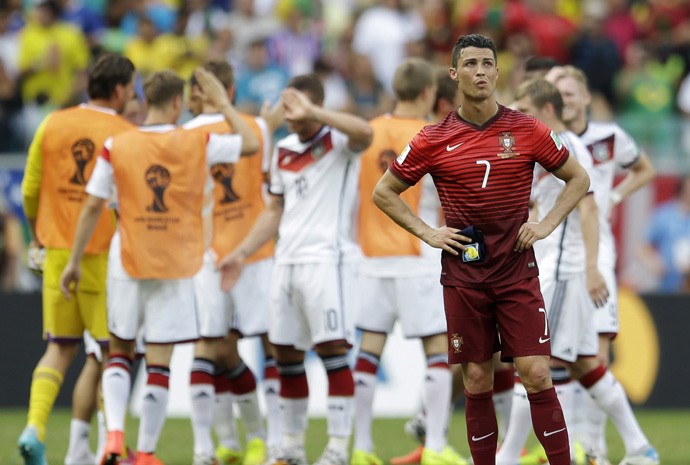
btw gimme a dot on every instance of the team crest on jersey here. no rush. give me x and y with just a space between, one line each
456 343
507 141
403 155
602 150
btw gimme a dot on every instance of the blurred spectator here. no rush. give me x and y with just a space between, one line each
297 45
335 89
596 54
440 36
620 26
180 52
11 249
369 97
667 250
245 26
645 90
383 33
53 56
161 14
143 50
552 33
10 101
114 38
90 21
204 19
260 80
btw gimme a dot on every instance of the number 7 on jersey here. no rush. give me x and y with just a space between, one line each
486 173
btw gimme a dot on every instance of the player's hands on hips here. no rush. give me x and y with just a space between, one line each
296 105
596 286
211 88
530 233
70 279
230 268
447 239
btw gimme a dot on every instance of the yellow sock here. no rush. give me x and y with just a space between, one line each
45 387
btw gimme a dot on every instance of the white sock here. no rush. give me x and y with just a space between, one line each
437 387
78 436
273 425
224 421
566 396
202 403
116 385
102 434
293 415
152 419
518 428
610 396
503 402
339 443
250 413
578 428
595 427
339 417
365 388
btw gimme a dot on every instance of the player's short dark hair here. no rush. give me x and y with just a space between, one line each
411 77
109 70
471 40
222 70
541 92
161 87
446 88
539 63
311 85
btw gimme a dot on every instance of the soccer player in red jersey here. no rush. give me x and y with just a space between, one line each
482 159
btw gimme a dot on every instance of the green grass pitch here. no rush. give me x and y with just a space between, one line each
668 430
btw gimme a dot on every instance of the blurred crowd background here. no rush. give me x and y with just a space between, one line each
635 53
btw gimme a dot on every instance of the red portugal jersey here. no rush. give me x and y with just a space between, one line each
484 177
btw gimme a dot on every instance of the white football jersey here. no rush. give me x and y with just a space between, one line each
562 252
611 148
318 180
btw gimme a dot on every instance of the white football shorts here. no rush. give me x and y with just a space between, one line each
165 308
416 302
311 304
569 310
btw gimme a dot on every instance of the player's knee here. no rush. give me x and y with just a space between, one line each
535 377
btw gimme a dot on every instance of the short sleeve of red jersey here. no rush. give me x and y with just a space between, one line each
549 151
413 162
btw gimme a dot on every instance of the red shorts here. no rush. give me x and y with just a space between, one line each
508 318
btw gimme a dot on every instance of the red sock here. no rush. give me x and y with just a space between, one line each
293 381
482 427
549 425
242 379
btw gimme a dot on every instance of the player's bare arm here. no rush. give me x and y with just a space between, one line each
589 222
90 213
217 95
298 107
639 174
576 186
387 198
264 229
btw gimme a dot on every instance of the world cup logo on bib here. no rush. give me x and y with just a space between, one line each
82 152
222 173
157 178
